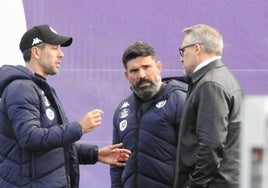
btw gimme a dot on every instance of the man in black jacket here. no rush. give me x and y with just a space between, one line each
208 147
38 146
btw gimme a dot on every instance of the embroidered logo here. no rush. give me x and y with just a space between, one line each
161 104
124 113
126 104
123 125
46 101
53 30
36 41
50 114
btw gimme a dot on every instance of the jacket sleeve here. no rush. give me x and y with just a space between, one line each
23 108
87 154
211 130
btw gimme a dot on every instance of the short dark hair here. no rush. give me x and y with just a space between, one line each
137 49
27 53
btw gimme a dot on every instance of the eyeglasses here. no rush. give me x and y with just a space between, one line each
187 46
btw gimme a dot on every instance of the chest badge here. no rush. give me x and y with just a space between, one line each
161 104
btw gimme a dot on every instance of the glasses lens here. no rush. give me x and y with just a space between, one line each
181 50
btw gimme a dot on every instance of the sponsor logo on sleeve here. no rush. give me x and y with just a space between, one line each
123 125
50 114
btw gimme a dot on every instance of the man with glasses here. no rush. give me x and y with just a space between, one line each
208 143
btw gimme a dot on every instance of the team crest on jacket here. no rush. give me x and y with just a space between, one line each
161 104
124 113
123 125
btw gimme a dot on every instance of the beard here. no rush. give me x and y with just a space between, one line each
146 92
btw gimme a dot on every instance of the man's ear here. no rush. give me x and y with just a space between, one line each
159 66
126 74
35 52
198 48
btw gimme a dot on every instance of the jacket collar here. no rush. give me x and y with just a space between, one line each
201 72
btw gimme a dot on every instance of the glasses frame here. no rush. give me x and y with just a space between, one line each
181 50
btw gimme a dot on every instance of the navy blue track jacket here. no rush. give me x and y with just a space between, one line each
37 142
150 130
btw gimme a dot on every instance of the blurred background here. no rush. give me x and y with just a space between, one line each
92 74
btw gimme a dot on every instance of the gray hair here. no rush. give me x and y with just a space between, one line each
209 37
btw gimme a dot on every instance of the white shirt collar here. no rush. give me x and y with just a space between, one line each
206 62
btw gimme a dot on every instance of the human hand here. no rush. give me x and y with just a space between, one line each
114 154
91 120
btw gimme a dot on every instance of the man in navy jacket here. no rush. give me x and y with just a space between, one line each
147 122
37 141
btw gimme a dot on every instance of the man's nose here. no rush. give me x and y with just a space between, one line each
60 52
142 74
